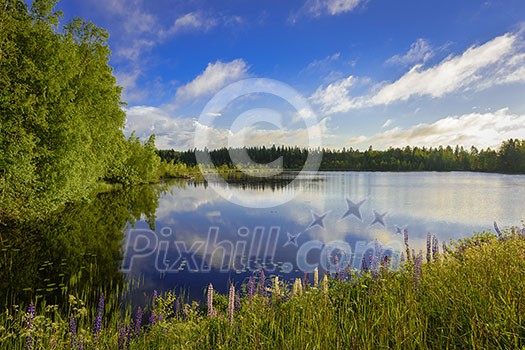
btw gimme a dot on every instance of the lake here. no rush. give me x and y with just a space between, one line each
204 234
184 235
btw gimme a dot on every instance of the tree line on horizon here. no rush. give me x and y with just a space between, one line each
509 158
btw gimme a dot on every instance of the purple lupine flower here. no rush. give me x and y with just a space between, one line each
306 280
435 247
80 345
129 334
251 288
429 246
402 259
336 264
29 325
378 251
98 320
122 337
405 238
211 309
385 263
73 331
138 321
237 301
417 269
153 318
261 286
364 266
177 307
231 303
497 229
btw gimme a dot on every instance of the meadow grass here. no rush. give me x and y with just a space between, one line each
470 297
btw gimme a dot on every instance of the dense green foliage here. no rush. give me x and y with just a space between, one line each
61 119
510 158
472 297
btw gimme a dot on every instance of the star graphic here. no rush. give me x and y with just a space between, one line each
399 230
318 219
379 218
353 209
292 239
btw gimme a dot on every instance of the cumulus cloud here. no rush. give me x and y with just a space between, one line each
335 97
497 62
215 77
420 52
475 129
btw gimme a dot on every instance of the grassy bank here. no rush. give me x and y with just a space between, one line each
470 297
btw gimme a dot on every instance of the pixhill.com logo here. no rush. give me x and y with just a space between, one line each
258 247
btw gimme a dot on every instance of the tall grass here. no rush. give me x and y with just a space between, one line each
470 297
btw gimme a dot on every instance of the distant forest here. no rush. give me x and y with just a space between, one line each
509 158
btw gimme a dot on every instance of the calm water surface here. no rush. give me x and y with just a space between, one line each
183 235
200 237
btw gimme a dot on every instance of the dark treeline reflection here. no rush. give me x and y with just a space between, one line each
79 248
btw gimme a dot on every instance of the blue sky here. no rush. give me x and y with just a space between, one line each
381 73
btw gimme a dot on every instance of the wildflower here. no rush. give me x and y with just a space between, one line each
435 247
122 344
29 325
153 318
262 280
237 301
251 288
316 277
364 266
231 303
297 288
138 321
325 285
417 269
306 281
73 331
429 246
211 310
405 238
177 307
98 320
497 229
276 290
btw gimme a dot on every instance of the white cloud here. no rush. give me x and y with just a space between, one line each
317 8
335 97
420 52
215 76
475 129
387 123
323 63
176 133
179 132
497 62
188 22
452 74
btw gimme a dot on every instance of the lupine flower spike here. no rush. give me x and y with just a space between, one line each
98 320
231 303
316 277
211 310
29 325
251 288
325 285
